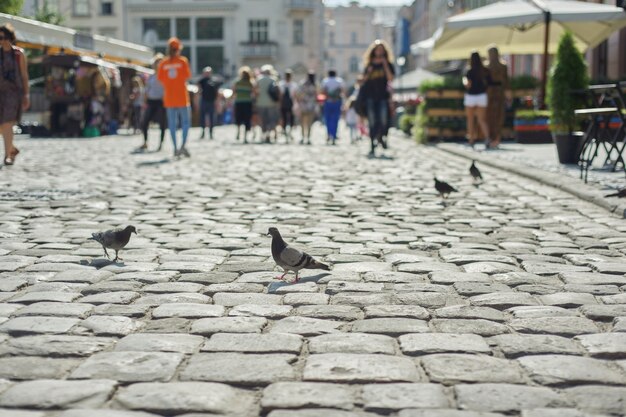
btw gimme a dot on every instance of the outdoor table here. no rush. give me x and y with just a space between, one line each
606 126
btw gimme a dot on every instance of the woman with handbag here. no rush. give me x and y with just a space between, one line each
374 93
14 89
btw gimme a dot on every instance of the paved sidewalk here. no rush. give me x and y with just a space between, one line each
508 300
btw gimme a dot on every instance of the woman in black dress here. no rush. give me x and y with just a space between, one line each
14 92
378 73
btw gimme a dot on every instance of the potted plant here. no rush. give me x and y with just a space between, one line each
568 75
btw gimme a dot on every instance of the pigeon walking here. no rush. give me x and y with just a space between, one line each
475 172
620 193
444 188
290 258
114 239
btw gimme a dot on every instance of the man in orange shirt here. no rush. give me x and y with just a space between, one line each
173 72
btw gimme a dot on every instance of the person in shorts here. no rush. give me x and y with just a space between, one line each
476 81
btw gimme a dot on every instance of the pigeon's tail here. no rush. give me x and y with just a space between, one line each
612 195
317 265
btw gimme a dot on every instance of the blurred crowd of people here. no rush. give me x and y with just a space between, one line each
264 104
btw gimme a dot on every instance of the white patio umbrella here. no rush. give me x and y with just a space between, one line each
527 27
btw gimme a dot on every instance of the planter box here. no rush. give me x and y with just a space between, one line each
445 94
532 130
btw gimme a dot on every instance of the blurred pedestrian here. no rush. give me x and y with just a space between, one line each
208 95
14 89
307 105
173 73
244 91
497 92
288 90
352 119
137 100
377 76
267 101
333 89
154 104
476 80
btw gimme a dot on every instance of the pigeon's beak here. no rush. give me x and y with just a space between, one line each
136 232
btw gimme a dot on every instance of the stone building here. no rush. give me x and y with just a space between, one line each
348 31
222 34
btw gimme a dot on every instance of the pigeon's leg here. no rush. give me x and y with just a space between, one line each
297 277
282 276
106 253
116 257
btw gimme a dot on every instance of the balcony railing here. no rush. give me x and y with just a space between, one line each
259 50
301 5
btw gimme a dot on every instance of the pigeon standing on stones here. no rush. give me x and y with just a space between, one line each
620 193
444 188
475 172
290 258
114 239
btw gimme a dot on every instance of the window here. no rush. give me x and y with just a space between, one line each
160 26
106 8
353 38
257 31
210 28
354 64
298 32
331 63
80 8
331 38
210 56
83 30
183 28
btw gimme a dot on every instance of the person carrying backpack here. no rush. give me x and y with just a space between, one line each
288 89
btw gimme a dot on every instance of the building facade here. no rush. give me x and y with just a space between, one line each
222 34
348 31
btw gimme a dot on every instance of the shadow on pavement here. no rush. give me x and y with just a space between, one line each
153 163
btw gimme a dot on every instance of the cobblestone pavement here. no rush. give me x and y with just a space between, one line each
507 301
544 157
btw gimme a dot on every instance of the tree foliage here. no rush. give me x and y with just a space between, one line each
568 74
47 14
11 6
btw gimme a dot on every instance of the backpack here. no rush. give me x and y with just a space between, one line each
287 102
274 91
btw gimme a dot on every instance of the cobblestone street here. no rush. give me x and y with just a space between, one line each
509 300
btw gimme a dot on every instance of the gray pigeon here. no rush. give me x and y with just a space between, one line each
620 193
443 188
290 258
114 239
475 172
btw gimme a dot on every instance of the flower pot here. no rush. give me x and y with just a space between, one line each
567 146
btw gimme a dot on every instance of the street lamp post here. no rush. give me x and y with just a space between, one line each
400 61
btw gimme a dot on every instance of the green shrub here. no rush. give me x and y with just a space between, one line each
447 83
406 123
568 74
531 114
524 82
419 127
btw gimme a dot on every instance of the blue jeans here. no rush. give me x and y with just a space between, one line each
332 113
377 117
173 114
207 109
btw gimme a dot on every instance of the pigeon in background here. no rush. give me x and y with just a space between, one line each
114 239
620 193
475 172
290 258
444 188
